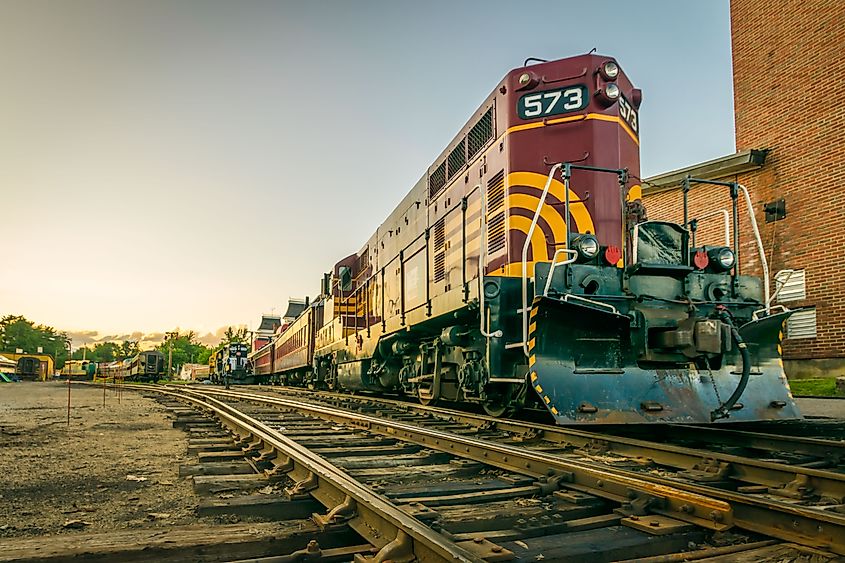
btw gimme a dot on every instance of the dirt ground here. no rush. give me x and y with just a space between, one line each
115 467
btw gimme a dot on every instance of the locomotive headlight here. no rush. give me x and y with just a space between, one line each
587 246
722 258
611 90
610 70
524 79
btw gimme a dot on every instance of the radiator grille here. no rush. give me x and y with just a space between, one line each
437 180
457 159
496 213
480 134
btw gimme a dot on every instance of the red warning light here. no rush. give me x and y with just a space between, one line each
612 254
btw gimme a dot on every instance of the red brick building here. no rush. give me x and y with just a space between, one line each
789 103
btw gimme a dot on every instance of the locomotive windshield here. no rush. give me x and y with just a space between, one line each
660 243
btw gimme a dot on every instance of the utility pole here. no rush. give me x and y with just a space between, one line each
69 347
170 337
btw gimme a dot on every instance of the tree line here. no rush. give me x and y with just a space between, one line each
17 332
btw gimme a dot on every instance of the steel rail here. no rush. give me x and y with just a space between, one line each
782 479
376 519
816 447
624 488
680 500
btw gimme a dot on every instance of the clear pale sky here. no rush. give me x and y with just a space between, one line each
194 163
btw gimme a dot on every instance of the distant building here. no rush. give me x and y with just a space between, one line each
295 308
193 372
265 331
7 365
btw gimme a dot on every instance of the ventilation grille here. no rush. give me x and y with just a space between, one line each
364 260
476 139
439 267
437 180
802 324
496 213
439 251
457 159
793 284
480 134
439 235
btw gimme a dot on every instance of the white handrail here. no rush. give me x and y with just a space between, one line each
763 262
525 246
573 257
782 284
482 263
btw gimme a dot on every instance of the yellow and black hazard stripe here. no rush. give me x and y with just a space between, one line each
532 358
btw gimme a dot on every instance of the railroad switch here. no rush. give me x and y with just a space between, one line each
265 458
550 484
311 552
596 447
708 470
400 550
279 471
799 488
300 489
252 448
337 515
640 504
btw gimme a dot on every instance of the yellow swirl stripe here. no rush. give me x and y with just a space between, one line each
534 180
538 238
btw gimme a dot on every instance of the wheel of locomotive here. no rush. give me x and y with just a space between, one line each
427 402
331 375
497 409
499 403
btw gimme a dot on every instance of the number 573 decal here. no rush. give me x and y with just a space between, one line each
553 102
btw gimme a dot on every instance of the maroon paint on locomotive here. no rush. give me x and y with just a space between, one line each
598 135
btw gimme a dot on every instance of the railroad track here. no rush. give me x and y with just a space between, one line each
740 456
646 489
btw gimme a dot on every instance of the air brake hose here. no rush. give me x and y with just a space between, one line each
723 410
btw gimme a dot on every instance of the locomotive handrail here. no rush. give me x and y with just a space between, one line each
573 257
727 219
768 310
763 262
483 314
735 189
780 284
527 243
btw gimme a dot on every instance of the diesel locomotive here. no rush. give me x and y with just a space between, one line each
522 269
145 366
230 362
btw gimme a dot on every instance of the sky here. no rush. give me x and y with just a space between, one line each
193 164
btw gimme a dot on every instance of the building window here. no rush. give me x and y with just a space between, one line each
802 324
792 284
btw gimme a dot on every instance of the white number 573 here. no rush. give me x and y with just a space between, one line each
556 101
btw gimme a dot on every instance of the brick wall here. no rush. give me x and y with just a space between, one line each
789 97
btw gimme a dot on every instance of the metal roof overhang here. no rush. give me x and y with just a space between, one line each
744 161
